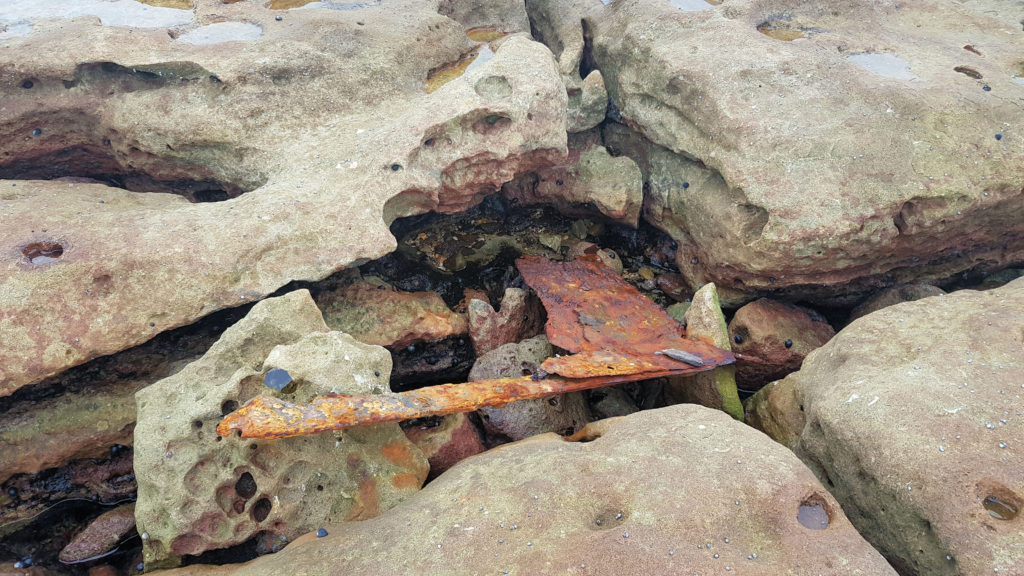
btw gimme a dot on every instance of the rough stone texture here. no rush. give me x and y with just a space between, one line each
607 257
610 402
809 174
101 535
373 312
198 491
559 24
913 414
715 389
318 134
564 414
612 185
521 317
760 330
895 295
674 475
454 439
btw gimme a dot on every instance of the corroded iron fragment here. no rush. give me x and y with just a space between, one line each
616 333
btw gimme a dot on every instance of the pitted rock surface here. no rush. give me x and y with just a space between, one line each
914 415
300 146
199 492
636 498
818 168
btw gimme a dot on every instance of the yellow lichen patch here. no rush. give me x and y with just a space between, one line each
180 4
286 4
784 34
484 34
448 72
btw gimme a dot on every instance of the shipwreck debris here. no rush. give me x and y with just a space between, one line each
615 333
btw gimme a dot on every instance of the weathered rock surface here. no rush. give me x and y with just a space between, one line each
373 312
614 186
454 439
715 389
637 498
564 414
521 316
101 536
198 491
776 337
914 416
876 150
895 295
316 135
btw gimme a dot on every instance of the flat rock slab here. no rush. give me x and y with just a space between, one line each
289 154
684 489
880 146
914 415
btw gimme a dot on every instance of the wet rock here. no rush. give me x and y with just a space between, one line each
611 402
895 295
1000 278
327 143
715 389
674 286
373 312
774 337
609 503
563 414
612 185
452 440
101 536
521 317
912 413
608 257
871 185
198 491
425 363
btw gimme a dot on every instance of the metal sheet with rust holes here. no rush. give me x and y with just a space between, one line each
612 326
617 333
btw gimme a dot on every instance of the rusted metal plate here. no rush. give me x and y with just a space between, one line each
617 334
612 326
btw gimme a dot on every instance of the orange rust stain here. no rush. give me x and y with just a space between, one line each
406 481
399 454
367 501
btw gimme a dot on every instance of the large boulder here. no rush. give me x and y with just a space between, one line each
198 491
912 415
678 490
218 155
877 149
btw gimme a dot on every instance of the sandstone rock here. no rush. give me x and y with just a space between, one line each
101 536
559 24
608 257
634 498
777 337
374 313
521 317
913 415
614 186
198 491
826 167
611 402
715 389
563 414
315 135
894 295
454 439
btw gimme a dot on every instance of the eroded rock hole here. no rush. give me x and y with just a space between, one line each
246 486
813 513
261 509
1000 508
44 252
228 406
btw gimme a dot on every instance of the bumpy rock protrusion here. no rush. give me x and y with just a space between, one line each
564 414
913 416
715 389
198 491
373 312
635 495
776 337
521 317
101 536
